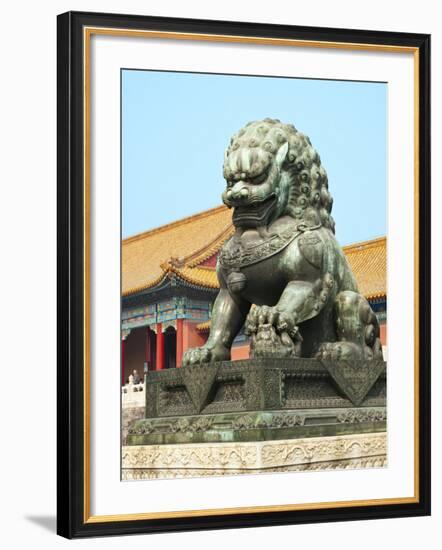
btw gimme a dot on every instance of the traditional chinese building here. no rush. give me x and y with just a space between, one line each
169 284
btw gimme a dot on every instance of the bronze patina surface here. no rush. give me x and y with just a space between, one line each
283 274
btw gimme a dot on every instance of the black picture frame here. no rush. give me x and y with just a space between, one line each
72 393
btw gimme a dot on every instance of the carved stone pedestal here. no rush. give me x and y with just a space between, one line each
259 415
265 384
205 459
262 400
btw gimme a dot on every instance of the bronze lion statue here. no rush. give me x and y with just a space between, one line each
282 274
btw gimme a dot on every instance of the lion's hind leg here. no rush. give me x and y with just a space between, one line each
357 330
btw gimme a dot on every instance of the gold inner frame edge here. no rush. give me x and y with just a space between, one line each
87 33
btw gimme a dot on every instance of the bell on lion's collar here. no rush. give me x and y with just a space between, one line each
236 281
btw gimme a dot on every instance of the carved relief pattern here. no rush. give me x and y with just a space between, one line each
151 400
174 400
335 448
369 415
263 385
206 422
183 425
128 416
354 378
175 473
220 407
378 390
322 453
314 391
198 381
184 456
233 256
272 387
251 421
248 422
254 382
230 391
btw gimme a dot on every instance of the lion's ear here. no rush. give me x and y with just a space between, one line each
225 166
282 153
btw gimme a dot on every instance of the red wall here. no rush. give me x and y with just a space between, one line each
240 352
134 351
383 329
191 337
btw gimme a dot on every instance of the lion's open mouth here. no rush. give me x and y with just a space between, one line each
252 215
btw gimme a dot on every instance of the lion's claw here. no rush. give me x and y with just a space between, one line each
196 356
204 355
265 315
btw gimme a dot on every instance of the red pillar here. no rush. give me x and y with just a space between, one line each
147 352
160 347
179 342
122 361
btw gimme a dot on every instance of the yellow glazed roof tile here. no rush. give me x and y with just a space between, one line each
145 255
203 327
368 261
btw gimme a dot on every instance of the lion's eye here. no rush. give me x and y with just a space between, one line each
258 179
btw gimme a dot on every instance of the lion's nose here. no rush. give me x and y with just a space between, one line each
238 192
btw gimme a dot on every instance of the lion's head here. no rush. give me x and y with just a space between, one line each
272 170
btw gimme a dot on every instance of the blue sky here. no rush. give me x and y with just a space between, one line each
176 126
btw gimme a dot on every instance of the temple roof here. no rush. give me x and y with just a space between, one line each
175 248
368 261
183 249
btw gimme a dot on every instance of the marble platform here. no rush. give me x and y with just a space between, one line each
143 462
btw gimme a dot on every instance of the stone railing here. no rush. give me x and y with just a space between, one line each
132 405
133 395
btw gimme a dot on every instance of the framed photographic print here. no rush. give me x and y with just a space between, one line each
237 205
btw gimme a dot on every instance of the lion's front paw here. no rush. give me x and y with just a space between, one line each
196 356
203 355
266 315
273 333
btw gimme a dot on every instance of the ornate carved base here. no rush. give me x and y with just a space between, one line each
265 385
310 454
257 426
262 400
